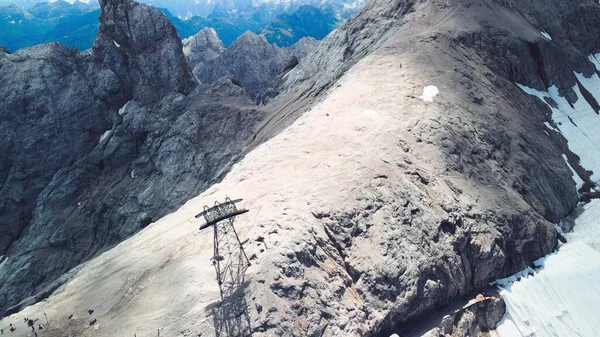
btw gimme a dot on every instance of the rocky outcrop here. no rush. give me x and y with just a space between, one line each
251 61
141 48
41 115
508 56
97 145
202 47
303 47
476 320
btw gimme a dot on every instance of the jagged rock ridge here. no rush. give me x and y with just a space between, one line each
202 47
250 60
97 145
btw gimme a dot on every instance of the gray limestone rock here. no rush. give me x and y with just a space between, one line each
250 60
202 47
99 144
492 144
475 320
139 45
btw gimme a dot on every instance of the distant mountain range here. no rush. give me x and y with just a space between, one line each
75 23
307 21
266 9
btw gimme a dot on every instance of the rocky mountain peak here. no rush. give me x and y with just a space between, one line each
60 8
11 9
379 206
140 45
203 46
205 38
250 36
251 60
102 115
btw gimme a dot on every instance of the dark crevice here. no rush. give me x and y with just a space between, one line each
589 97
536 54
353 274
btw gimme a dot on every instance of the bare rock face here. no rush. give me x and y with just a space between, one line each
97 145
484 141
141 47
202 47
250 60
475 320
302 48
511 57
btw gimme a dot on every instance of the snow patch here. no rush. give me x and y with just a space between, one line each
578 181
116 44
592 84
513 278
123 108
369 112
546 35
429 92
560 300
105 135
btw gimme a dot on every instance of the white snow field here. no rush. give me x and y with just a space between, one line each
562 299
562 296
587 227
507 327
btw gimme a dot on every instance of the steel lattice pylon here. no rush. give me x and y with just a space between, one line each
229 257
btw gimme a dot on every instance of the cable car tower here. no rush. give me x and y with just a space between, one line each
229 258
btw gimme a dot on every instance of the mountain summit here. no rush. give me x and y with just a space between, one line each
102 125
250 60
